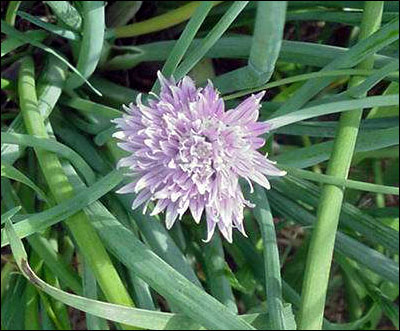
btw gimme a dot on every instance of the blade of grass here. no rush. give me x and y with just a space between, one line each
185 40
255 261
392 311
371 140
265 48
51 146
330 108
113 93
389 212
352 218
159 240
50 85
43 251
273 280
212 37
9 214
60 310
344 17
141 291
390 6
12 314
55 263
344 244
10 44
215 268
9 30
67 34
13 173
40 221
92 42
40 245
364 49
80 143
143 298
90 107
386 112
359 90
327 129
308 76
236 47
348 183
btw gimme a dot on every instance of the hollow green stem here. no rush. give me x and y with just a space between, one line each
79 224
157 23
320 254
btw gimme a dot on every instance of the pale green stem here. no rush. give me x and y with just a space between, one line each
320 254
79 224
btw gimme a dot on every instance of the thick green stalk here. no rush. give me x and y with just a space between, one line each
320 254
86 237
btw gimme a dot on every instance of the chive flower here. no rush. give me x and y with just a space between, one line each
187 153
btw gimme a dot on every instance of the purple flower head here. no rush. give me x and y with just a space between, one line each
187 152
